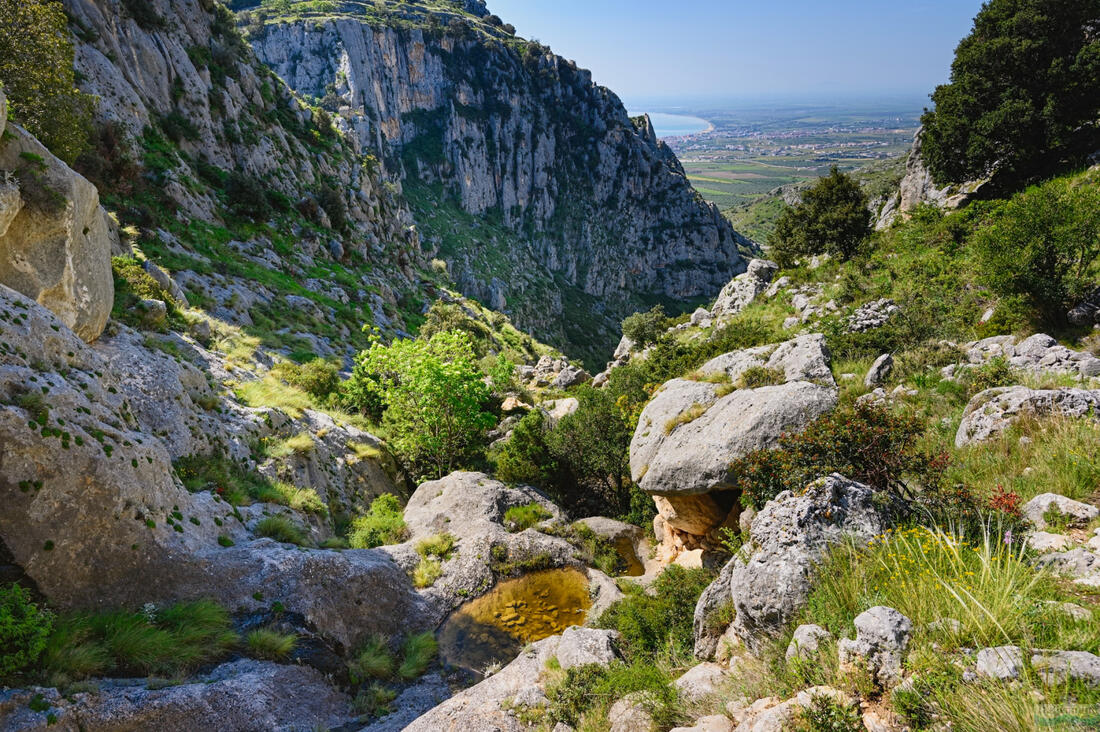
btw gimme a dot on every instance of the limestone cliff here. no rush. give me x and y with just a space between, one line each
528 178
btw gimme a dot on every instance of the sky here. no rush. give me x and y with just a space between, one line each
714 49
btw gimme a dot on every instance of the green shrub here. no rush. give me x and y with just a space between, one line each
24 628
832 218
520 518
646 328
994 373
826 714
755 377
281 529
864 442
382 524
579 693
270 645
659 624
318 378
374 700
525 458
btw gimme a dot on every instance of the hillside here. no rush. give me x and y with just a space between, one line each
546 201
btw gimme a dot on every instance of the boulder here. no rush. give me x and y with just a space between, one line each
701 681
993 411
165 281
1076 512
1056 667
879 371
882 636
1042 542
1079 563
491 704
713 723
630 714
1036 354
56 247
1086 312
744 288
557 409
806 641
1003 663
241 696
626 538
788 537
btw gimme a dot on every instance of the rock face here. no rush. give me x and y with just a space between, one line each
491 704
236 697
691 431
55 239
590 203
97 518
917 187
769 586
806 641
993 411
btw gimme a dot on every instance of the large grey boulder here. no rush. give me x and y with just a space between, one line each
490 705
56 248
1002 663
744 288
701 681
788 537
242 696
1076 512
993 411
1056 667
882 637
879 371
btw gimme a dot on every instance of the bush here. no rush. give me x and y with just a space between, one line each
246 196
659 624
1024 93
863 442
270 645
645 328
24 628
582 691
318 378
38 76
281 529
383 524
525 458
1044 246
832 218
332 201
826 714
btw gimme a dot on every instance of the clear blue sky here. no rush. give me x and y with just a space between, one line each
646 49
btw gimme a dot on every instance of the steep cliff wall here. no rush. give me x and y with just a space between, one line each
529 179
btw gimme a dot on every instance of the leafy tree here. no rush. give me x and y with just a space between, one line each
645 328
1044 246
590 448
36 71
832 218
433 395
1024 92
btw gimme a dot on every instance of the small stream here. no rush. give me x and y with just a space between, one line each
495 628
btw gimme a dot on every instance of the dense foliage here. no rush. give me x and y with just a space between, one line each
646 328
383 524
832 219
36 71
24 628
1024 92
433 395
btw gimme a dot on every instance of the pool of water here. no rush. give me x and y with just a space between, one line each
495 627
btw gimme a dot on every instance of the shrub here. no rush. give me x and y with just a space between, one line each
318 378
1024 93
520 518
580 692
994 373
246 196
864 442
646 328
832 218
659 624
418 650
1044 246
281 529
24 628
271 645
755 377
373 661
826 714
382 524
525 457
332 201
374 700
38 76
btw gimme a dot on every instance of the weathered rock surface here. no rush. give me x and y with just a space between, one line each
806 641
872 315
691 431
55 239
789 535
993 411
1078 563
917 187
1037 354
1075 512
744 288
879 371
243 696
701 681
1056 667
1002 663
882 636
485 706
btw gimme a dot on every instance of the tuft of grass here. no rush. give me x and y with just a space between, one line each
270 645
521 518
426 572
281 529
272 392
300 444
418 651
383 524
437 545
692 413
373 661
755 377
374 700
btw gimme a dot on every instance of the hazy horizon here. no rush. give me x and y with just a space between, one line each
705 51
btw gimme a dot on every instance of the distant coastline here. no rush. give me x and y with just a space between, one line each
677 125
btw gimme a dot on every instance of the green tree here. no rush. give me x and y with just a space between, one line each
433 395
36 71
832 219
645 328
1024 92
590 448
1044 245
